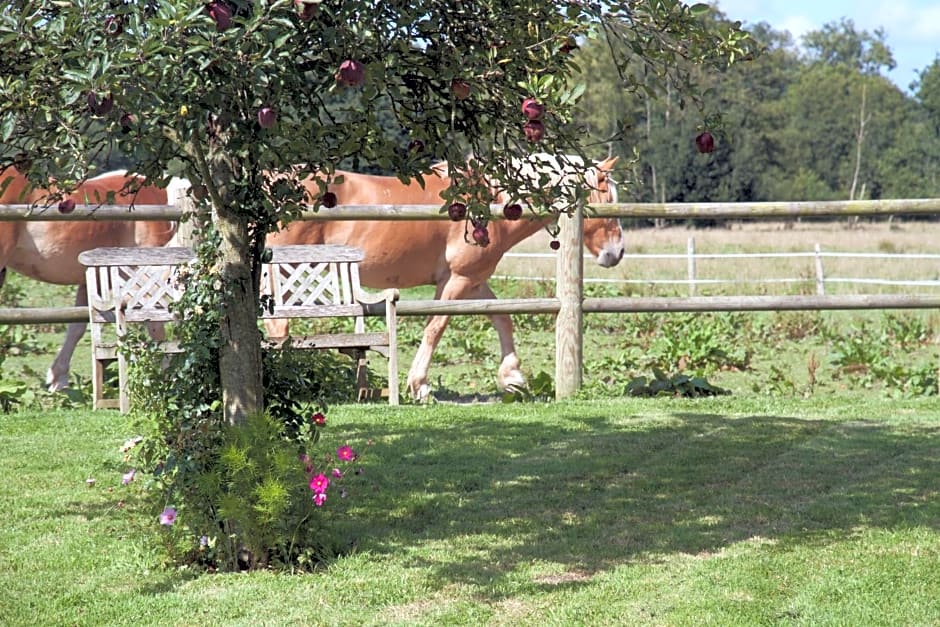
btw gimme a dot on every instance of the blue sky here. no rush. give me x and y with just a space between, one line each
912 26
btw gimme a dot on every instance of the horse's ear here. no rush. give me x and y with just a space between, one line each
607 164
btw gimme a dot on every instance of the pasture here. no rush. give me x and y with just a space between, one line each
783 353
808 495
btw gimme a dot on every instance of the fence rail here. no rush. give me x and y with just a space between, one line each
570 304
664 211
693 278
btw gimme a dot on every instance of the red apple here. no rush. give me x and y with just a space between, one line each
705 142
328 200
512 211
554 244
113 25
350 73
107 103
67 205
480 235
460 89
457 211
127 121
306 9
200 192
534 130
533 109
221 12
267 117
100 107
22 163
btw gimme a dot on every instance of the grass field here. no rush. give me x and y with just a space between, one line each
633 512
807 496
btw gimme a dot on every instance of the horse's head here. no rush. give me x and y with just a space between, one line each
603 236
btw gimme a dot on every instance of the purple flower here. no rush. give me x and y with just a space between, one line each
337 473
319 498
319 483
128 476
168 516
346 453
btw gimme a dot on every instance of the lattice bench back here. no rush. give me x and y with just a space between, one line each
137 285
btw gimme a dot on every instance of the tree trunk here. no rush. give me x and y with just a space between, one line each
240 366
859 140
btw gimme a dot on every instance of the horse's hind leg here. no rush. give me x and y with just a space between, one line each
58 376
509 376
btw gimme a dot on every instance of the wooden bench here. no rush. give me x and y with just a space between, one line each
137 285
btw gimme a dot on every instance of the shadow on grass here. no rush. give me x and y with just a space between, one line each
601 492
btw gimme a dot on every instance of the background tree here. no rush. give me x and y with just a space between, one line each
817 123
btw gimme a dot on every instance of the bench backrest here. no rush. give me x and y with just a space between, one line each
298 282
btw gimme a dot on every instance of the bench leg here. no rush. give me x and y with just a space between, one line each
362 375
97 381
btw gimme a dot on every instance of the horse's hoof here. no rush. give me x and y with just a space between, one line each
513 381
422 393
56 384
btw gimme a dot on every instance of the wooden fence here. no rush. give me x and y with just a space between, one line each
569 303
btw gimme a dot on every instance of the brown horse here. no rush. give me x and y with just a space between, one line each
436 252
48 251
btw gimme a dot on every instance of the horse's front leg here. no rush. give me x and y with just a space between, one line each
418 384
57 378
509 376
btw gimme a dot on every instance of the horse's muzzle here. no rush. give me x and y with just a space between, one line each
610 257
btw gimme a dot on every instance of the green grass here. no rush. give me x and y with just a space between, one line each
727 511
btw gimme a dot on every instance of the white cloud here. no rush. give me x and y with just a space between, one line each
927 24
797 25
904 20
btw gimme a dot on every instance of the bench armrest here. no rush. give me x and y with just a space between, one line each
373 298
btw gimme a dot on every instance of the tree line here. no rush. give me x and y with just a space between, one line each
821 122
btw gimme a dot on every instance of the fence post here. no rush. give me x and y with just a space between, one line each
569 289
691 251
820 277
185 231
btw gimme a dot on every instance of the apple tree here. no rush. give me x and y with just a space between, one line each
246 97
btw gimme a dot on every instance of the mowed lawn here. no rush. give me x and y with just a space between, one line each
721 511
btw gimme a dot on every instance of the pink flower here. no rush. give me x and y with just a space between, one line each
128 476
318 419
346 453
337 473
319 483
168 516
319 498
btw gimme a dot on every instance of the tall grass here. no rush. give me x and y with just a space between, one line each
653 512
